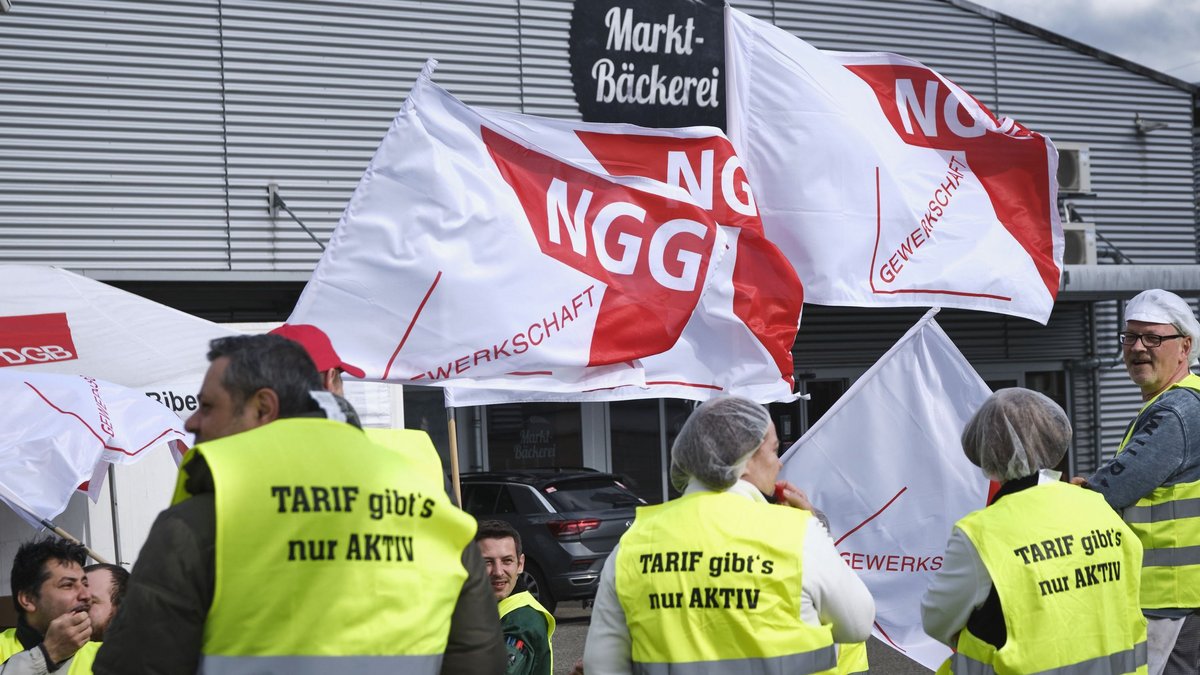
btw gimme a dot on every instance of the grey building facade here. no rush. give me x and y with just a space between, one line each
138 140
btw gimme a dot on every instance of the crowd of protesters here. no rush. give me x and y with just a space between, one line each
278 555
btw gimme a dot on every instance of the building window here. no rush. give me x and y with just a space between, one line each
534 435
823 394
636 442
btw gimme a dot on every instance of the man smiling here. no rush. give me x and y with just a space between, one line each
526 625
1155 478
50 592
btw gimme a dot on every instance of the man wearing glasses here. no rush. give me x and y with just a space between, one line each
1154 480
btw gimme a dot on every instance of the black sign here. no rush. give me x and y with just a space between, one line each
657 63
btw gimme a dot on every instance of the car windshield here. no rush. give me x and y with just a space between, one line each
590 494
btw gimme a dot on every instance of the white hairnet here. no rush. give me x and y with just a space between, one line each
716 442
1016 433
1159 306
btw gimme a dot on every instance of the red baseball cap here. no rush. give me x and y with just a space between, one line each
319 348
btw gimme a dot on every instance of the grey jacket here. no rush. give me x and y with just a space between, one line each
1163 450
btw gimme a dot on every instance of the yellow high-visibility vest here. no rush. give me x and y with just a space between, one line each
1167 521
852 658
332 554
81 663
710 582
1067 571
413 443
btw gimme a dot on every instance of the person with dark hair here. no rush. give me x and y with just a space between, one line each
107 583
50 592
1045 578
296 545
528 628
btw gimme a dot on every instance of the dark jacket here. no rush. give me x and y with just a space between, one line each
160 626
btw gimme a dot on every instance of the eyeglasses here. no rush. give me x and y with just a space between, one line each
1149 339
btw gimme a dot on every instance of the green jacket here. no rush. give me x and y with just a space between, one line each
527 641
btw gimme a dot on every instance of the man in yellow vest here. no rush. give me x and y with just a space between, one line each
330 367
296 545
720 580
528 628
1154 480
1045 578
50 592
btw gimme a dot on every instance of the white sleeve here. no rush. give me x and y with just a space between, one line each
608 648
957 589
831 592
29 662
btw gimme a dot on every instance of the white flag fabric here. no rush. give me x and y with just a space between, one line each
59 431
466 252
885 464
739 339
61 322
886 184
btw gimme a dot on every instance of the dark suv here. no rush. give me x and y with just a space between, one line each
569 520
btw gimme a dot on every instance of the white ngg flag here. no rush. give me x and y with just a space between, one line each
740 337
887 184
886 466
467 252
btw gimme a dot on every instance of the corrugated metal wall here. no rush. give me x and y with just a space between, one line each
111 135
141 135
1144 185
124 121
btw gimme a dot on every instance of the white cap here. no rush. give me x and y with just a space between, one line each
1159 306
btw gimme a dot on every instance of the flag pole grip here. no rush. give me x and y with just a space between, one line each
71 538
454 471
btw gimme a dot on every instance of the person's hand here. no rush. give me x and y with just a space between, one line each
578 669
1080 481
789 494
67 634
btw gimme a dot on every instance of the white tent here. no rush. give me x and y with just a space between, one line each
55 321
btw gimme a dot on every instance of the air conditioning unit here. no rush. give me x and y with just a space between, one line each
1074 168
1080 244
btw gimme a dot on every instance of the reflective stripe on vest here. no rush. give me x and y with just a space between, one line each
1128 661
321 665
1058 556
526 599
813 662
330 547
1167 521
710 583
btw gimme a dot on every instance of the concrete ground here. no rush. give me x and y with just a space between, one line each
573 621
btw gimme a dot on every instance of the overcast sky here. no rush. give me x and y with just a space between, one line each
1161 34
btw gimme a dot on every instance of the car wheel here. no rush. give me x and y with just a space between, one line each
535 583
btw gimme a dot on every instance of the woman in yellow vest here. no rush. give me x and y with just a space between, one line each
720 580
1045 578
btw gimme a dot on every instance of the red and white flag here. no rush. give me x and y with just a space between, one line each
58 431
886 466
466 252
739 339
887 184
